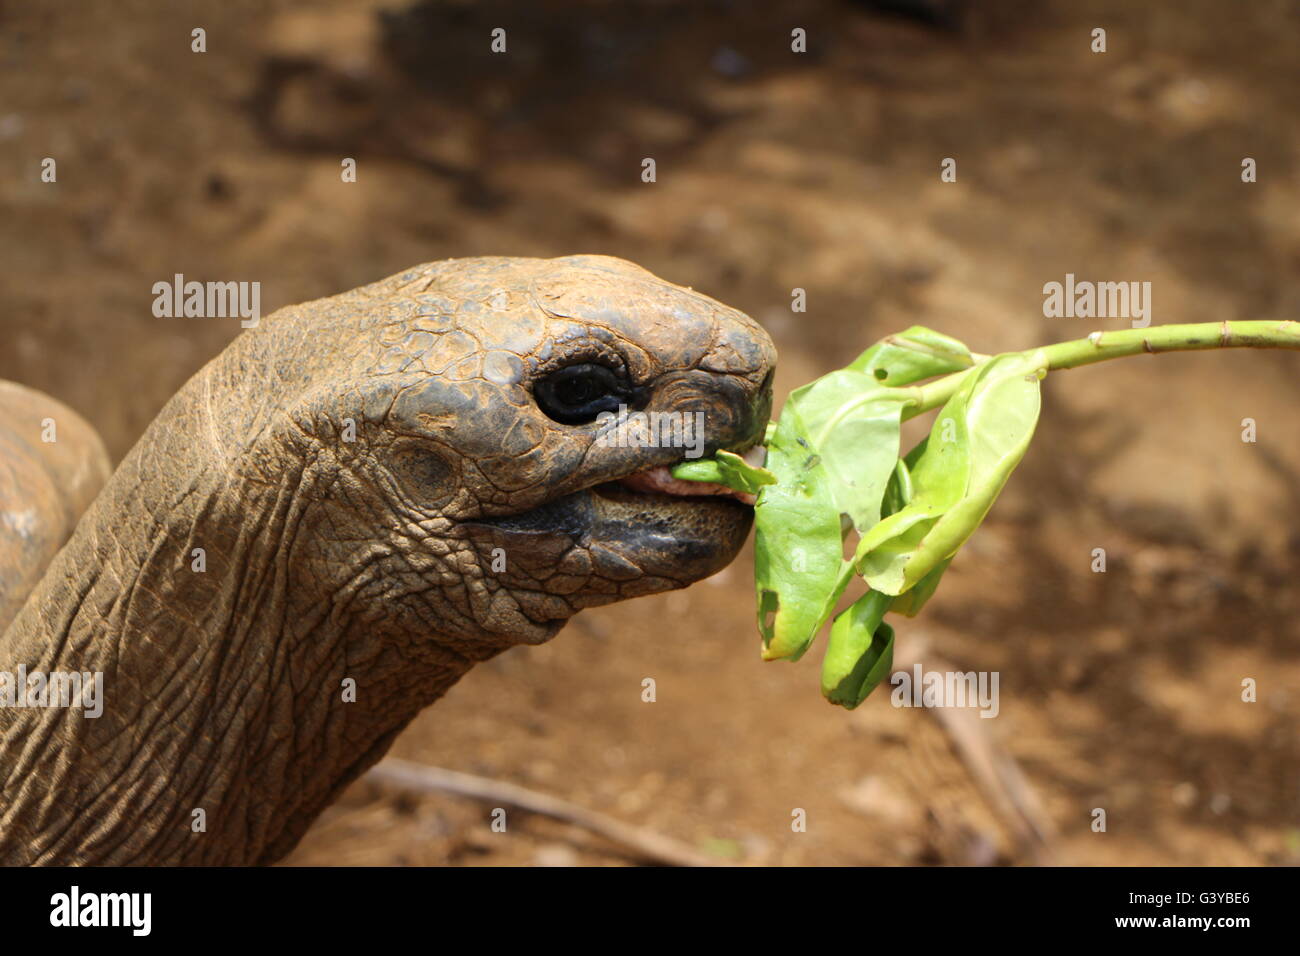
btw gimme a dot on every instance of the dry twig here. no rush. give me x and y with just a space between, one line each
1001 782
646 844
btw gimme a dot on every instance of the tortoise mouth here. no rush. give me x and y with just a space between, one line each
637 499
659 480
634 490
669 537
630 531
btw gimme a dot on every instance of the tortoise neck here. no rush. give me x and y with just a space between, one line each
237 697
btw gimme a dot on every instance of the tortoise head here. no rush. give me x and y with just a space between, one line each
502 405
369 492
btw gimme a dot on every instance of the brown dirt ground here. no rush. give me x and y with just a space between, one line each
774 171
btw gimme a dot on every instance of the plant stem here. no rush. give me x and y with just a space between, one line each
1101 346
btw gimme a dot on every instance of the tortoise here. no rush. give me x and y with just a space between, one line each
332 522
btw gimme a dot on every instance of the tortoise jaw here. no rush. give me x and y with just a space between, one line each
680 537
677 539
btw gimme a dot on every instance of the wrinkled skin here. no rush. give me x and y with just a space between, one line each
375 560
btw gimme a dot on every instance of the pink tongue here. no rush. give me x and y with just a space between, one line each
660 481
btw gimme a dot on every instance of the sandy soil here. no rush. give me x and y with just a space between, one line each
775 171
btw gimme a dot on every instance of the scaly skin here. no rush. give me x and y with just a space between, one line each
52 464
369 560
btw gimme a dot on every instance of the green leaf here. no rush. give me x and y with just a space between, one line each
899 491
725 468
799 566
853 423
860 653
913 355
940 473
978 438
833 452
897 496
910 602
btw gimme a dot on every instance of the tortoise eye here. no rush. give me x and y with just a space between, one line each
576 394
